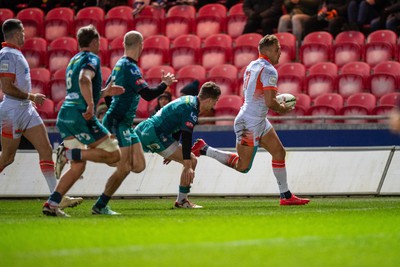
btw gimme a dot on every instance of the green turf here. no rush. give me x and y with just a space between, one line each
227 232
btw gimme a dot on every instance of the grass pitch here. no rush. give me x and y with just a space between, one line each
227 232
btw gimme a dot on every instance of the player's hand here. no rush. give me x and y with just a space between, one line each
187 176
284 109
37 98
89 112
113 89
168 79
166 161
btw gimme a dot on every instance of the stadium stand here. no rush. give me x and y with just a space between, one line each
5 14
380 46
245 49
115 50
353 78
40 79
46 110
235 21
33 20
288 47
90 15
185 50
385 78
348 47
216 50
359 104
291 76
180 19
117 22
188 74
35 52
59 23
328 104
316 47
60 51
155 51
321 79
225 76
211 19
149 21
227 106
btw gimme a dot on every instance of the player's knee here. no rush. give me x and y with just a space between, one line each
244 170
138 167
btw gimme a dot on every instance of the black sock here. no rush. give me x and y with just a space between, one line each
286 194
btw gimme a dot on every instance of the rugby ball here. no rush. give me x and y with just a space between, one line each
288 99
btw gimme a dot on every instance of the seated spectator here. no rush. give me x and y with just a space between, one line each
362 14
162 100
262 14
298 12
331 16
390 18
191 88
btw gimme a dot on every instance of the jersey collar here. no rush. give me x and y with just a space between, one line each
5 44
264 57
132 60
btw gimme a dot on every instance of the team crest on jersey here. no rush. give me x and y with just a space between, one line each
140 81
272 80
4 66
189 124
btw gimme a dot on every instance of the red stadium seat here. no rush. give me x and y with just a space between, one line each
153 76
58 23
155 51
40 79
118 21
90 15
348 47
142 111
103 51
385 78
57 87
291 76
185 50
60 51
316 48
287 41
353 78
380 46
35 52
5 14
33 20
188 74
235 20
105 73
328 104
210 20
359 104
180 19
386 103
321 79
245 49
216 50
303 104
47 109
227 106
115 51
225 76
149 21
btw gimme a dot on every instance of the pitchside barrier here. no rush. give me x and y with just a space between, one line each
311 171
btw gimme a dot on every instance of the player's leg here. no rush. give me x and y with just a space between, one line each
271 142
9 149
174 152
122 170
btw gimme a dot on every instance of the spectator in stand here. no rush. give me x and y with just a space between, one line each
332 15
364 13
262 14
390 18
297 13
162 100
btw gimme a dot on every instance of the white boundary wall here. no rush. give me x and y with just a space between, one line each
327 171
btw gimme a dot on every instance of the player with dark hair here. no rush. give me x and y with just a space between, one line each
252 127
18 115
160 134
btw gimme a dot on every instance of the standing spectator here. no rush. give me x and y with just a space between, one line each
160 134
18 116
332 15
262 14
252 127
298 12
85 138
